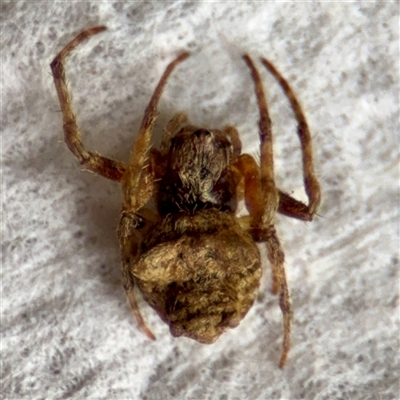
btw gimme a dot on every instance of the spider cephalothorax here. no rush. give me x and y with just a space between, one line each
197 172
195 262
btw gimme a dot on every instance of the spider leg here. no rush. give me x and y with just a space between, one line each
276 257
175 122
170 130
265 205
270 193
292 207
247 175
90 161
131 229
234 137
138 187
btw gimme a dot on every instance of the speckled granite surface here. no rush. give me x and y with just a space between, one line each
67 332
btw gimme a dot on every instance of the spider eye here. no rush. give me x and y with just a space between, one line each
201 132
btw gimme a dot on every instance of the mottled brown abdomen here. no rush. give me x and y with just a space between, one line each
200 272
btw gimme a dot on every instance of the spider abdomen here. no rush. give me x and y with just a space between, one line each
199 283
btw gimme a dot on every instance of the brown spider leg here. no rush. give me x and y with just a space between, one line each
131 229
270 199
250 172
276 257
138 187
288 207
171 129
90 161
293 208
250 185
234 138
270 193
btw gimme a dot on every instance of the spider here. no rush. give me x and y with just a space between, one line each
194 261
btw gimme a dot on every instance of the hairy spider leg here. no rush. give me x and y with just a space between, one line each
135 176
263 222
90 161
159 157
171 129
236 143
287 205
138 187
135 182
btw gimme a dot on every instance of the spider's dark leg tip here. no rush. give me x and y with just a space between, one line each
98 29
183 56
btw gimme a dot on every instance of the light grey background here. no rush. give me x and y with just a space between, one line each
67 332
